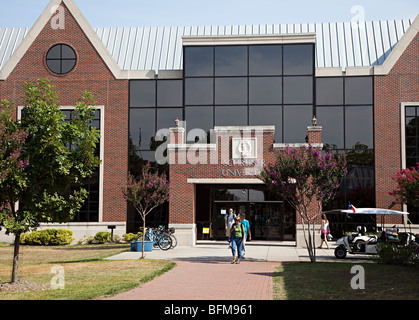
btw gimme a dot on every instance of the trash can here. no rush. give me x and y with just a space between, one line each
136 246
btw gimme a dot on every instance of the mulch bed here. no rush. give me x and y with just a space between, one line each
23 286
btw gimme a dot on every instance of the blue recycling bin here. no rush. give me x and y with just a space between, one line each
136 246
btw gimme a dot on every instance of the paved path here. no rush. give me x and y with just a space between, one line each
205 280
204 272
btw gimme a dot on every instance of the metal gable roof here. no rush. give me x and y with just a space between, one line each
348 44
10 39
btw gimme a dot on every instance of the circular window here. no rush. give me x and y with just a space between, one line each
61 59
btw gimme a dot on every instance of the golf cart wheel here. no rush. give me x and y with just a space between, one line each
340 252
414 246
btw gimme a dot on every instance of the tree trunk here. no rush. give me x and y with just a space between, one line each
16 257
142 245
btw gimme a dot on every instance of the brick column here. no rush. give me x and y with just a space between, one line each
314 134
314 137
182 193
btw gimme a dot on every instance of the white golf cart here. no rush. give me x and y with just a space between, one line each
360 243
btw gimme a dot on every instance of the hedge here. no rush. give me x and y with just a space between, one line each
48 237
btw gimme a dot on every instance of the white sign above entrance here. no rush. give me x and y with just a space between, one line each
244 148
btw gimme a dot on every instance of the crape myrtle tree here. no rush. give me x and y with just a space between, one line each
407 189
146 193
307 178
35 185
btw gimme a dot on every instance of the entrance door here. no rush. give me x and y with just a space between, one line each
266 219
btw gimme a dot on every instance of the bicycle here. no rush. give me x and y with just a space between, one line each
171 232
163 241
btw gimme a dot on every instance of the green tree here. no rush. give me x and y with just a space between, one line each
407 189
304 176
148 192
60 153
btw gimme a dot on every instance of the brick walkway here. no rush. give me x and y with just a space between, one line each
208 280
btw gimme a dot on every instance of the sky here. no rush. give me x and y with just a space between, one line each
161 13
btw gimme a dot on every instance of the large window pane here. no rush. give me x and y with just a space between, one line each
267 115
231 60
169 93
199 91
142 127
265 60
329 91
142 93
358 90
231 91
265 90
358 126
298 90
296 120
199 61
67 52
199 121
331 120
166 117
298 59
231 116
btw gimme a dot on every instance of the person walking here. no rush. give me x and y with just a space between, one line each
237 236
247 233
229 220
324 231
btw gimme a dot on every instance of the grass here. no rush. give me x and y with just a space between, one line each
86 275
322 280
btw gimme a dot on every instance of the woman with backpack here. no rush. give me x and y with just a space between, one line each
237 237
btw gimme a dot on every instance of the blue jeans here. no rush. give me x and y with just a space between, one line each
236 244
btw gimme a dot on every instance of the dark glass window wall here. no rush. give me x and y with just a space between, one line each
261 85
251 85
344 108
412 148
89 212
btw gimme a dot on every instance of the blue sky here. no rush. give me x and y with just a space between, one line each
134 13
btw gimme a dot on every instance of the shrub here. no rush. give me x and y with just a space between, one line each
90 240
128 237
102 237
388 253
48 237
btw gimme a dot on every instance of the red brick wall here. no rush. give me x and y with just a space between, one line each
400 85
182 193
92 74
182 201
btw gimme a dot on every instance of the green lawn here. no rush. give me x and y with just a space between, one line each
86 275
319 281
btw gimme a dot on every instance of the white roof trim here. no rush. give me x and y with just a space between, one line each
248 39
399 49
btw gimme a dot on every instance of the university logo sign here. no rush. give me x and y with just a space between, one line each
244 148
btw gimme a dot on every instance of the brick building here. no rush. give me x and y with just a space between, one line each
360 80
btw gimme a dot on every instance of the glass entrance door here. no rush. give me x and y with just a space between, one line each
266 219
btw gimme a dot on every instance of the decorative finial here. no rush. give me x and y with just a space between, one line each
177 122
314 121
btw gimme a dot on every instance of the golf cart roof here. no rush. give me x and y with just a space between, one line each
369 211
